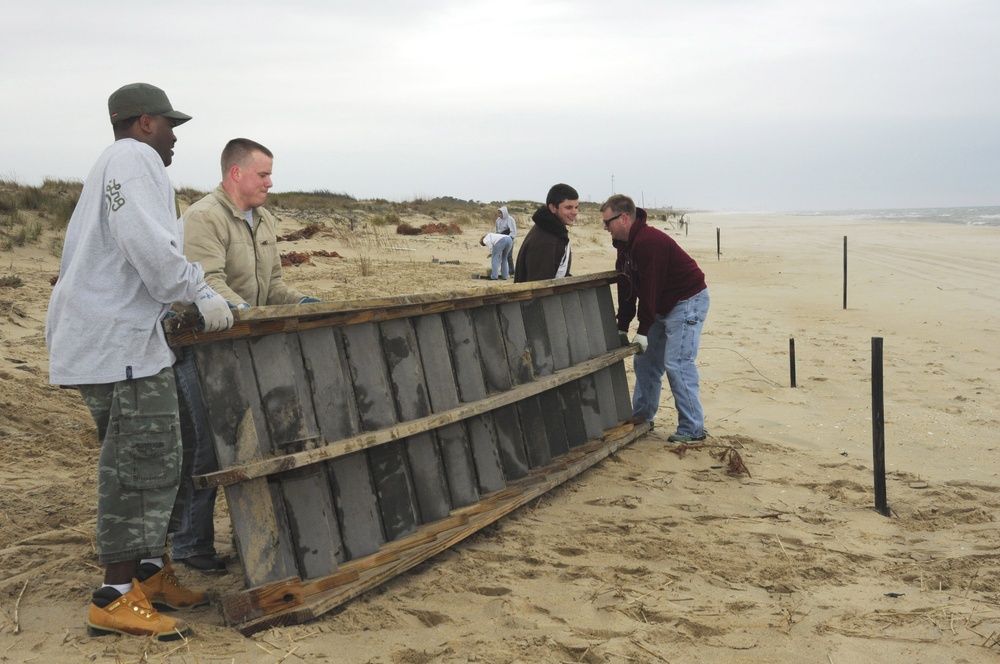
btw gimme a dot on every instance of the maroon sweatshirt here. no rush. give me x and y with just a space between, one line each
655 270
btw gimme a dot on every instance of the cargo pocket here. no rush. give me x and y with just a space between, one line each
147 451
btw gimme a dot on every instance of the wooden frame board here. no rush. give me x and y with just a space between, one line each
356 439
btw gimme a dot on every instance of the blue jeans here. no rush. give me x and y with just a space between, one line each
502 259
510 258
196 535
673 348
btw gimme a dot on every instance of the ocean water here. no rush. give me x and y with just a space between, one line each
962 216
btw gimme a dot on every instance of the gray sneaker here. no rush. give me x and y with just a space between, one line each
681 438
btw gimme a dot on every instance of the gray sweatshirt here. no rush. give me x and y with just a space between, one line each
122 267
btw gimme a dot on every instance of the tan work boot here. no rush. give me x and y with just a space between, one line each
131 613
165 592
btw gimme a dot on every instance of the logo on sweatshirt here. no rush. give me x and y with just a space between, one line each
113 196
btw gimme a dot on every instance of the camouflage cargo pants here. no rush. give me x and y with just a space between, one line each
139 468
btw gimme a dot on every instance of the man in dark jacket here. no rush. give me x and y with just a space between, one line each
545 252
672 306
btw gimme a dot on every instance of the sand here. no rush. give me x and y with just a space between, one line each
657 554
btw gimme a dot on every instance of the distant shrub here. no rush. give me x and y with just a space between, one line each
32 198
11 281
320 201
387 219
8 203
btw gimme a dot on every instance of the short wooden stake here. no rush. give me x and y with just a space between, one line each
845 272
878 428
791 360
718 244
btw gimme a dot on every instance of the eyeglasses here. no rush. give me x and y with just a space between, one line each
607 222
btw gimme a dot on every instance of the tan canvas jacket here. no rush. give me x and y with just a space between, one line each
244 266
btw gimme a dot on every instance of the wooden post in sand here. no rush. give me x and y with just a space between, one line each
718 243
845 272
878 427
791 360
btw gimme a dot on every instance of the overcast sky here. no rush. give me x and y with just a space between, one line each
713 104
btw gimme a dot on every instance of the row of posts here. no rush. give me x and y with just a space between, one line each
878 403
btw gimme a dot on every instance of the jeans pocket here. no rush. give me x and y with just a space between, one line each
147 452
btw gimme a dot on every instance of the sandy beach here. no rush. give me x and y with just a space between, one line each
657 554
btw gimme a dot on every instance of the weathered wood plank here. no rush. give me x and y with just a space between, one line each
399 345
337 418
497 379
291 423
569 395
593 316
515 339
442 392
390 470
472 389
622 395
540 349
579 351
259 524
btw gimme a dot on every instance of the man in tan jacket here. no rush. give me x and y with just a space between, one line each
233 237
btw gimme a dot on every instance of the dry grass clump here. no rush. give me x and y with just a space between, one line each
25 210
427 229
295 258
304 233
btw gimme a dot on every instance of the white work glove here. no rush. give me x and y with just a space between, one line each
641 340
213 310
623 338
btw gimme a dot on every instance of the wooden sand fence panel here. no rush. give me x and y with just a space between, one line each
357 439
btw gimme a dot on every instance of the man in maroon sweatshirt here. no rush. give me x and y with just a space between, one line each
672 306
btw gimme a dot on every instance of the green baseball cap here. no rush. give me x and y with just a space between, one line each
135 99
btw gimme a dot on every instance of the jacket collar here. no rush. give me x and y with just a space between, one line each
549 222
637 225
223 197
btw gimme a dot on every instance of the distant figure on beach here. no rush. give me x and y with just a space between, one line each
232 236
506 225
545 252
121 270
500 247
672 305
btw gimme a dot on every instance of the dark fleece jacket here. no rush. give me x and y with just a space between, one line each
542 249
654 269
